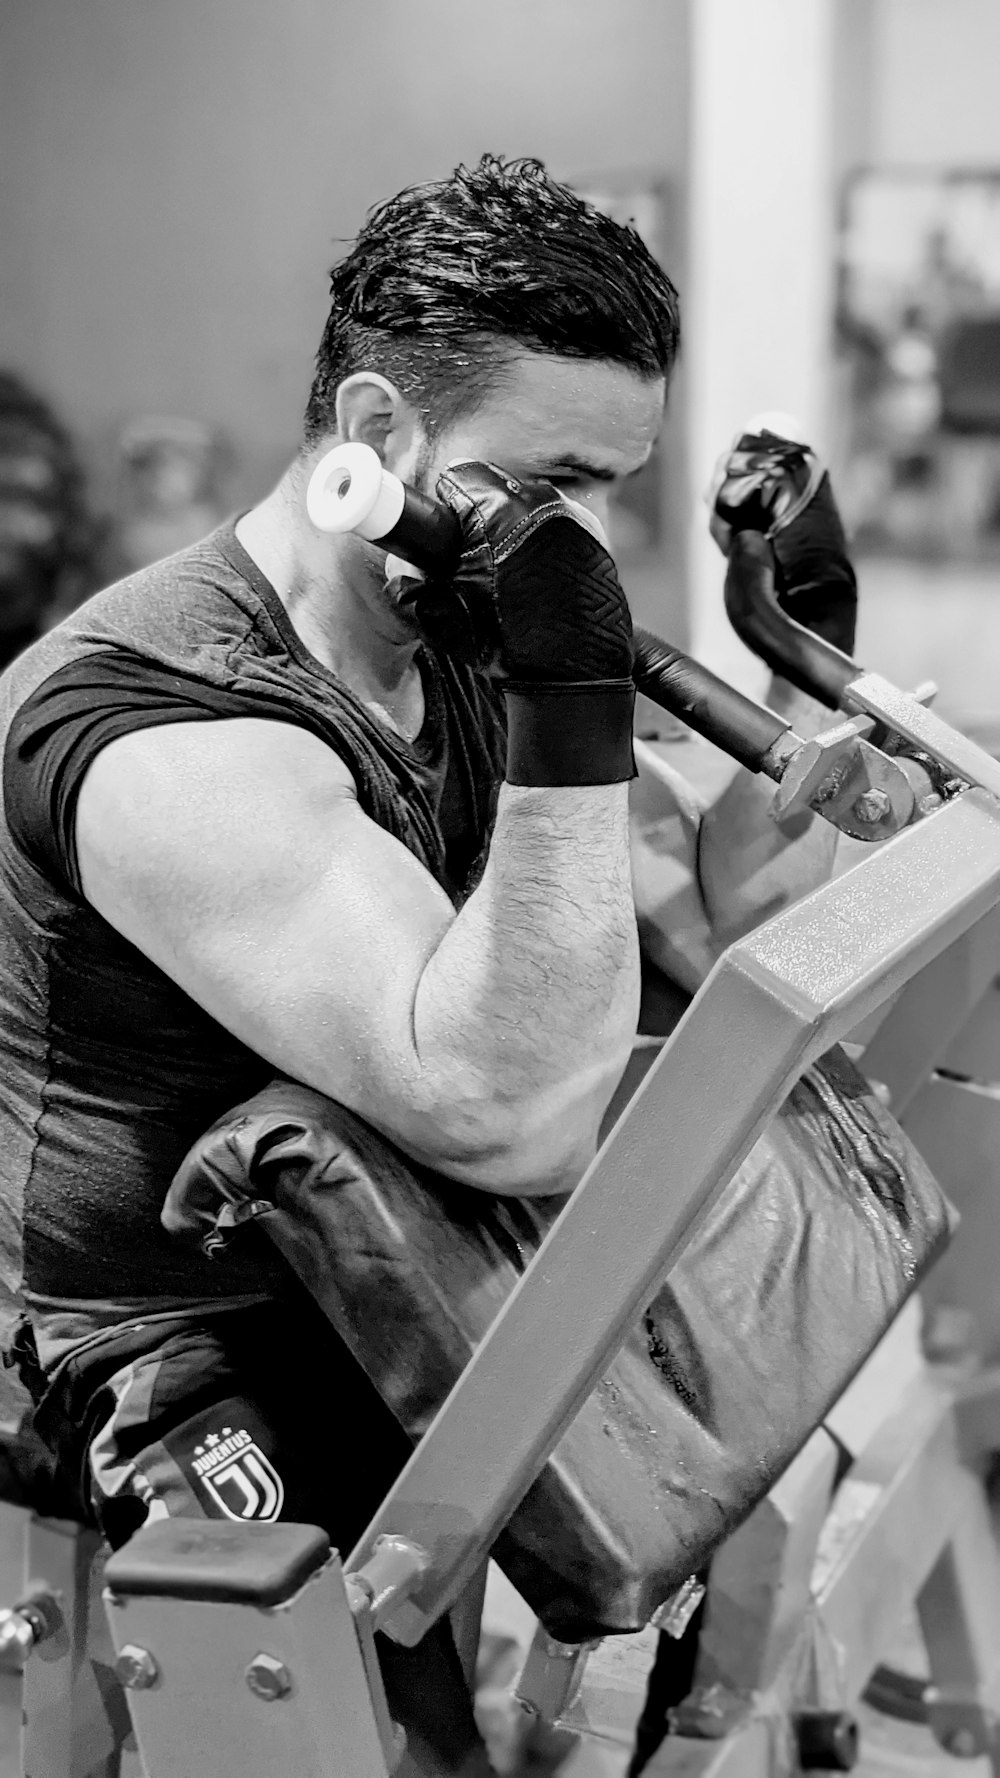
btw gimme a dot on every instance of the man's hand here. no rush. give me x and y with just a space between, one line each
536 602
778 488
536 596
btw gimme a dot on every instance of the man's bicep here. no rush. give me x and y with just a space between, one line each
235 856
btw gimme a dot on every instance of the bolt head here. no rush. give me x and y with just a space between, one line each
136 1668
872 806
17 1639
962 1743
268 1678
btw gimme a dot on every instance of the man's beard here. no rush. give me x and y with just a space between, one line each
393 572
424 478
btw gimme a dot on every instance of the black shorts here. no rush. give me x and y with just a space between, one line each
257 1414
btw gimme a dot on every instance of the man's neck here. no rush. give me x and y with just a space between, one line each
332 595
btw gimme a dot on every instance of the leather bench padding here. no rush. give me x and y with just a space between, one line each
789 1283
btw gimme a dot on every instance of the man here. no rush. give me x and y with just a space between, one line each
254 820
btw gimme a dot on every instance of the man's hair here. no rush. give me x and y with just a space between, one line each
447 280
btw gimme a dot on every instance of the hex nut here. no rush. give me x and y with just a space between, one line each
136 1668
17 1639
963 1743
42 1609
268 1678
872 806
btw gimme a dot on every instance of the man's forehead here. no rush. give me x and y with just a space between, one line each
587 416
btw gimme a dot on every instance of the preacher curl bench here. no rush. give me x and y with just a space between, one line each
248 1649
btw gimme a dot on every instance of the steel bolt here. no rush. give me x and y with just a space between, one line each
136 1668
17 1639
872 806
963 1743
41 1608
268 1678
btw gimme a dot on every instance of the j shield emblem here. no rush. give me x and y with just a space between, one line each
237 1476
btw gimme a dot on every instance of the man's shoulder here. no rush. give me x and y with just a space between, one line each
192 603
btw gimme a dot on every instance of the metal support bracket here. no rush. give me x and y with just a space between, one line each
841 776
961 1723
550 1680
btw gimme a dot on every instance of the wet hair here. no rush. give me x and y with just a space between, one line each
447 280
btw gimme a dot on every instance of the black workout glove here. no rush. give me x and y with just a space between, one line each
535 601
780 489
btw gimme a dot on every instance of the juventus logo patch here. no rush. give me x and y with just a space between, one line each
237 1476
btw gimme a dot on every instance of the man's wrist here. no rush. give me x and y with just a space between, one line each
569 733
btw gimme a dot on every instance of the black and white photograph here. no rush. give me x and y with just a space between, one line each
499 888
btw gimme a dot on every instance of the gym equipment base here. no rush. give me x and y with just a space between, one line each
911 1519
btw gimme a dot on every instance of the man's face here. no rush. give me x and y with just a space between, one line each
583 424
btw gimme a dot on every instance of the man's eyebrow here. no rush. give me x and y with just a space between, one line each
596 472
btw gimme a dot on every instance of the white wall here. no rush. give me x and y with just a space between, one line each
177 177
761 254
936 98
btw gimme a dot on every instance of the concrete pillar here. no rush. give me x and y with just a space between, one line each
761 280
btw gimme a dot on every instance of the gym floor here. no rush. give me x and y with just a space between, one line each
890 1749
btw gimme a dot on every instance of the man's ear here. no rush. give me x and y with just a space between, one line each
372 411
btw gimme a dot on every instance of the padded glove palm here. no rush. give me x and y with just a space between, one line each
536 602
535 595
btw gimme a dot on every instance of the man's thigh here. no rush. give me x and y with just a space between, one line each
251 1416
259 1416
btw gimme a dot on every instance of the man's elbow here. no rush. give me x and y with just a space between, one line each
525 1147
532 1168
520 1167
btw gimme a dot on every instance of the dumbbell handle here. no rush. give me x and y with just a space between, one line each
747 731
807 661
351 491
833 774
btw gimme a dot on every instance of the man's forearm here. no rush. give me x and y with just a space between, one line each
528 1005
749 867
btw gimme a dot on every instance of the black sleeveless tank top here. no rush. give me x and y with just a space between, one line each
108 1070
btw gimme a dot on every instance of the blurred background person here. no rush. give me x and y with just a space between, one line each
48 539
170 489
